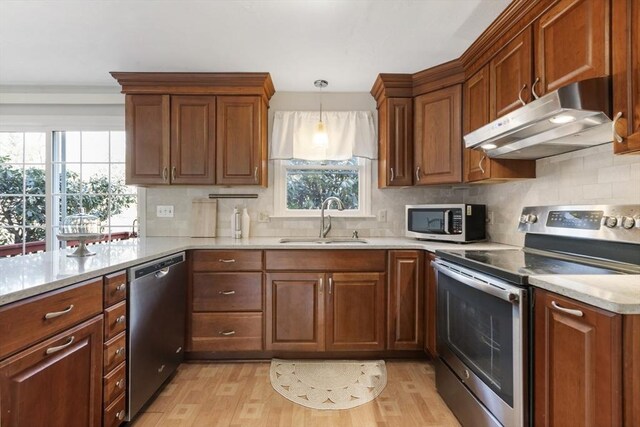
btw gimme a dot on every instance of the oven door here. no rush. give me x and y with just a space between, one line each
481 337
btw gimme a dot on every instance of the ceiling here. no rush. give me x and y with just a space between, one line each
347 42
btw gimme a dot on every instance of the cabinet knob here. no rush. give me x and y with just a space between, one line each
121 319
120 383
120 415
121 287
119 352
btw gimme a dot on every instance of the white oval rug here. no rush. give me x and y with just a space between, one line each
328 384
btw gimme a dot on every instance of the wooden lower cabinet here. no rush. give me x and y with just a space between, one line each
355 311
577 363
405 298
57 382
295 311
325 311
430 306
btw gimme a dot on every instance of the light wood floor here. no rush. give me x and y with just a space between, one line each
240 395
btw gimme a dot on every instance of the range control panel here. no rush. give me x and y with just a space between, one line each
605 222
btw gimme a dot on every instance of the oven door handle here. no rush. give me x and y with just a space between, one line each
480 285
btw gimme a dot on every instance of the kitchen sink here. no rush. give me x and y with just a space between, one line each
320 240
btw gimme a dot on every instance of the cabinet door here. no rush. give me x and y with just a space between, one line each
240 140
430 306
626 74
355 311
510 76
475 115
438 139
577 366
395 133
147 133
405 310
571 43
57 382
193 123
295 311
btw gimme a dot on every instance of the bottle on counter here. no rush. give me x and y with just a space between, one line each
246 223
236 224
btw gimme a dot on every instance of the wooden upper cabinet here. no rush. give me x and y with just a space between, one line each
196 128
405 301
577 363
241 140
571 43
626 75
477 103
395 136
193 124
147 134
510 76
475 115
355 311
438 139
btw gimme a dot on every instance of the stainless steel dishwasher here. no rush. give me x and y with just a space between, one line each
157 310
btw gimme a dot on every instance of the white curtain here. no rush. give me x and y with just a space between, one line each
351 133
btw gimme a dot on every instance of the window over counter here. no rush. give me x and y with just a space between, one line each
47 175
300 186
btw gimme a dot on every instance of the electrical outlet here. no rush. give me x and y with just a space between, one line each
490 217
263 217
382 215
164 211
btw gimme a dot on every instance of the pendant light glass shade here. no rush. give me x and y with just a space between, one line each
320 137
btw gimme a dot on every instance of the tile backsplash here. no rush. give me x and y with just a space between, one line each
590 176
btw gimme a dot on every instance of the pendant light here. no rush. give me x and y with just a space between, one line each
320 137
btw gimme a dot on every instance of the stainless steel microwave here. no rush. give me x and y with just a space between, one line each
452 223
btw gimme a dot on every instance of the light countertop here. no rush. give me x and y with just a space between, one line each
25 276
617 293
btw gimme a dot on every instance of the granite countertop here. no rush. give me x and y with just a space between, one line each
617 293
25 276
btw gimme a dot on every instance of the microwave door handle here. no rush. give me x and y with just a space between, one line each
503 294
446 221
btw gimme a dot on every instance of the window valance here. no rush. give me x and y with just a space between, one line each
350 133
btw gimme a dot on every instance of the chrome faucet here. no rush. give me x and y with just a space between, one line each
324 230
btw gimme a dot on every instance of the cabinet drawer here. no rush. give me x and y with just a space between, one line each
114 415
115 288
227 291
227 260
226 331
115 320
115 383
26 322
115 351
323 260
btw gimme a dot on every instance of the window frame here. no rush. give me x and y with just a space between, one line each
280 191
50 124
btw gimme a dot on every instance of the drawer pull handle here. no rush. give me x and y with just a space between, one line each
119 352
226 260
178 350
121 287
121 319
55 314
120 383
330 285
227 292
52 350
570 311
161 368
227 333
120 415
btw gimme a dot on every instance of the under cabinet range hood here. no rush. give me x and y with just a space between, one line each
571 118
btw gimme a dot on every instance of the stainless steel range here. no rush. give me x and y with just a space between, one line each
484 330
